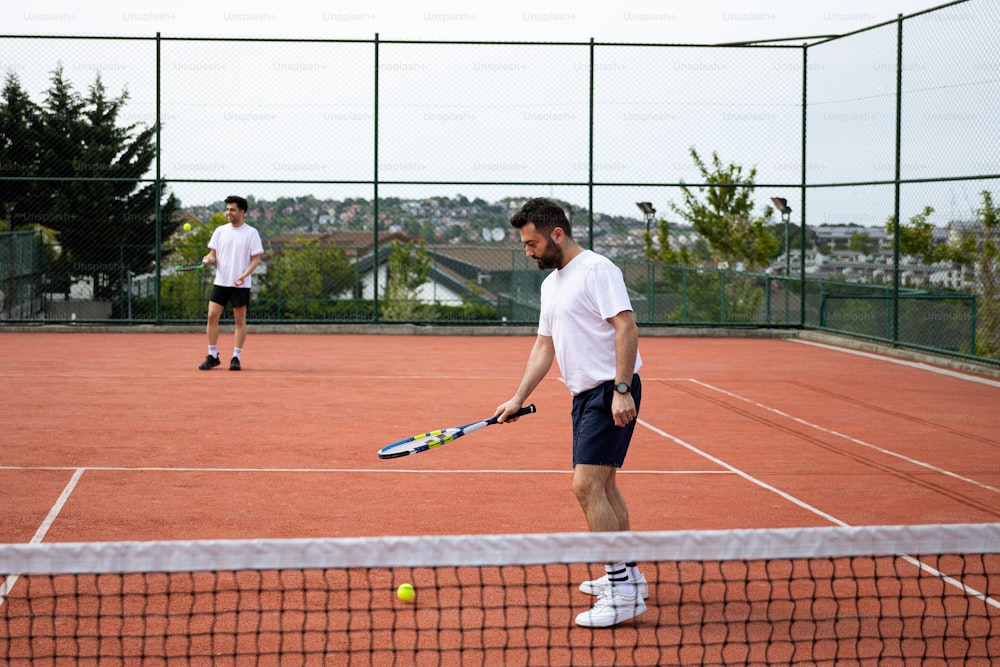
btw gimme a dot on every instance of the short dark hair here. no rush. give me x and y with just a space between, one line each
544 214
240 202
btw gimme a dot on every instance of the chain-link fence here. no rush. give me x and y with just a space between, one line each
22 274
382 175
903 132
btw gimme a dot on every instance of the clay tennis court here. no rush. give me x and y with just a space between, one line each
118 436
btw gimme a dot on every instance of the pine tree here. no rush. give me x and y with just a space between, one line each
19 124
87 186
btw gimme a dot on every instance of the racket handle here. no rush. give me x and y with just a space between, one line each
526 410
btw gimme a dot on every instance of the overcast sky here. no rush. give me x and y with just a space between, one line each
706 21
287 116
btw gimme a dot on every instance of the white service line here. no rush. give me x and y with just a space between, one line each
951 581
60 502
745 475
857 441
902 362
8 583
378 471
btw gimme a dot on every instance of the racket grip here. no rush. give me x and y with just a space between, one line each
526 410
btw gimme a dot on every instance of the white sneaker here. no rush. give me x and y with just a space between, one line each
611 608
599 586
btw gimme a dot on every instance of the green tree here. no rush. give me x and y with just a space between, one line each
663 250
106 224
916 238
19 127
409 267
306 278
861 242
979 246
721 210
184 295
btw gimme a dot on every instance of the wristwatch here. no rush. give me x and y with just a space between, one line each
623 388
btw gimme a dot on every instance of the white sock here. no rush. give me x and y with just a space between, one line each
618 577
213 350
633 570
237 351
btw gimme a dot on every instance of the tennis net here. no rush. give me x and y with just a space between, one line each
894 595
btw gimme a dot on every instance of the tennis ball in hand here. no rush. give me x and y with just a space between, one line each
187 226
405 592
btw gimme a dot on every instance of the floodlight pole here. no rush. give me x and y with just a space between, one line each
12 263
650 214
781 204
130 274
786 218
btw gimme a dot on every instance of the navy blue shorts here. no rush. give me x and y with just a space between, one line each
238 296
596 439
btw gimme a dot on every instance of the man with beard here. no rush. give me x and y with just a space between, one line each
587 325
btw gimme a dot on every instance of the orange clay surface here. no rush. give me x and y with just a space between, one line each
733 433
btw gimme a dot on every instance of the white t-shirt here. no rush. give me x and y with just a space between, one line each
576 302
234 247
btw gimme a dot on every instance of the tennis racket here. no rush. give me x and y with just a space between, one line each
424 441
189 267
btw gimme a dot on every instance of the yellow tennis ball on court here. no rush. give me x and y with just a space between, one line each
405 592
187 226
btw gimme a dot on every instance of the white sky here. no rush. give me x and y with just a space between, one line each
705 22
193 143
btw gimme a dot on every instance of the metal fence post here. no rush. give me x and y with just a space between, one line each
894 337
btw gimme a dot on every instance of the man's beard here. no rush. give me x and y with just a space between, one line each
551 258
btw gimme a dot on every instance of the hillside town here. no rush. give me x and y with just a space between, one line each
843 252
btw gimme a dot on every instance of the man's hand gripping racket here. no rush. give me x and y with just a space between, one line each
424 441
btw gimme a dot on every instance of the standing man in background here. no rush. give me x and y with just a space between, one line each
235 249
588 326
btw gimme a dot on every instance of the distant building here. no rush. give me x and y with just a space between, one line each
453 269
839 237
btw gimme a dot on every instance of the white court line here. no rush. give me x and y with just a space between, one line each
967 590
902 362
381 471
54 512
745 475
8 583
857 441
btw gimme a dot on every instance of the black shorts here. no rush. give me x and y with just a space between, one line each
238 296
596 439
